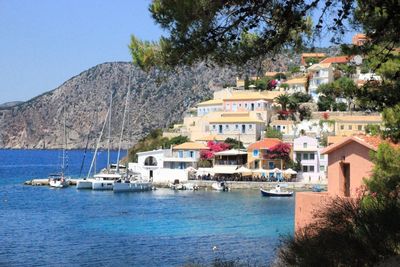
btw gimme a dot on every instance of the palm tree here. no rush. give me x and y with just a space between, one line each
283 100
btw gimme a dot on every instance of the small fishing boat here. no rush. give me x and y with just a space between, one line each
220 186
276 192
58 181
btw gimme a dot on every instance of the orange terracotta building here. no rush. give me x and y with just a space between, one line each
349 163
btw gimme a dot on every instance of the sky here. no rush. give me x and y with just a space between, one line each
43 43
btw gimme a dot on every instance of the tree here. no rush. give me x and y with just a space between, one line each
233 143
236 32
283 100
391 123
213 148
272 133
280 151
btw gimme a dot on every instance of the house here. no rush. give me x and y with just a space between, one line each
206 107
184 155
226 163
237 125
313 164
259 160
349 162
320 74
297 85
359 39
286 127
350 125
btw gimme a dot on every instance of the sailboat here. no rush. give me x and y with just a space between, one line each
59 180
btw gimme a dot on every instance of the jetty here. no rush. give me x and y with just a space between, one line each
45 182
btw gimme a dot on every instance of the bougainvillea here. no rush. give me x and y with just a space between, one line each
214 147
280 151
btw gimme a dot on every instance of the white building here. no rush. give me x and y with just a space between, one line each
320 74
313 164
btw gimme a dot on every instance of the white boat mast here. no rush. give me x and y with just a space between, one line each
64 144
123 120
97 144
109 132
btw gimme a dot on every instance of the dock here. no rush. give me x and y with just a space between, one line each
45 182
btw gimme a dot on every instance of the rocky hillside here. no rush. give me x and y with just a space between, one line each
156 100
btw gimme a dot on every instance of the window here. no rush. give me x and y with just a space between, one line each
256 164
305 169
258 104
236 126
341 127
220 129
180 154
311 168
245 105
283 127
240 105
298 156
321 156
250 126
227 126
322 168
304 145
350 127
359 127
214 127
243 128
255 153
312 156
305 156
191 154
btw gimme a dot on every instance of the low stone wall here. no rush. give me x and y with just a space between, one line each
296 186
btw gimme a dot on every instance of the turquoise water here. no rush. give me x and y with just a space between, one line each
41 226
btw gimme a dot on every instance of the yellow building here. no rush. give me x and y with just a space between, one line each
351 125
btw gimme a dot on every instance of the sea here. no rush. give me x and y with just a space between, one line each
42 226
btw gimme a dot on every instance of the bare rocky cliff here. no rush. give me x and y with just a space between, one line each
157 99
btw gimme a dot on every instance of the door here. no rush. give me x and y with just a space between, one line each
220 129
346 179
151 173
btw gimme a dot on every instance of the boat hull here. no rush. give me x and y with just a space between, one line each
102 185
58 184
132 187
84 184
266 193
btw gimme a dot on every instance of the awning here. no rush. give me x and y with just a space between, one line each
243 170
290 171
224 169
231 152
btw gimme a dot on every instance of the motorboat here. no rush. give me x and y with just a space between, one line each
191 186
134 183
105 181
220 186
276 192
58 181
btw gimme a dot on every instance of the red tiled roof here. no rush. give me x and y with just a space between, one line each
372 142
264 144
340 59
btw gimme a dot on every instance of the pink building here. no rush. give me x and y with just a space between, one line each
348 163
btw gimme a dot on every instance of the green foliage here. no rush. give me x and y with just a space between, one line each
145 54
233 143
152 141
285 86
283 100
294 69
341 88
280 76
391 123
304 113
272 133
246 82
204 163
373 129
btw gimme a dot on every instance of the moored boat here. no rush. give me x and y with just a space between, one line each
135 183
220 186
58 181
105 181
276 192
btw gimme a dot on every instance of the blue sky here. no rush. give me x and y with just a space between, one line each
46 42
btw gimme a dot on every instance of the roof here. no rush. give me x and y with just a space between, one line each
371 142
246 95
264 144
297 80
335 139
320 66
338 60
211 137
271 73
190 145
281 122
375 118
313 55
210 102
231 152
235 120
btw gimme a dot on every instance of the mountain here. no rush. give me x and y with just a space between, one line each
10 104
157 99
